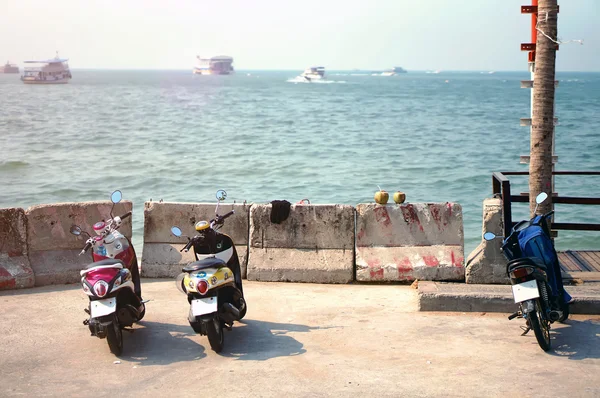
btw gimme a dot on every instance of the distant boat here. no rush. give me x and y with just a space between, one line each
219 65
399 69
9 68
393 71
314 73
435 72
52 71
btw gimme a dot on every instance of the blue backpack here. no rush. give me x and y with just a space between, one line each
535 242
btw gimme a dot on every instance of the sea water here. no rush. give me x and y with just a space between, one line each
267 135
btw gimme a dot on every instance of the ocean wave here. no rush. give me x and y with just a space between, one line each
13 165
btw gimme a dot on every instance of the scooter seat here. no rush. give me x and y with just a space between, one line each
211 262
108 263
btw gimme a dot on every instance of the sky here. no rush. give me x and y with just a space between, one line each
285 34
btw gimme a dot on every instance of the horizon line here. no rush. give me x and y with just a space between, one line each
334 69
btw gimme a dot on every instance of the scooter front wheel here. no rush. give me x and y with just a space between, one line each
114 336
216 337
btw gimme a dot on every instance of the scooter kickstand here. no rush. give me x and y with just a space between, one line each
526 328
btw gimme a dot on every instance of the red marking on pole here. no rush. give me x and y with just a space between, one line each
534 20
382 216
411 216
431 261
15 253
4 272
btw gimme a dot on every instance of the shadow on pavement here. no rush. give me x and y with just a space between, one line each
156 343
258 341
577 339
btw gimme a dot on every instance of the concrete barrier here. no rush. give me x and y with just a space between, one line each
161 257
487 264
409 241
53 250
15 269
314 244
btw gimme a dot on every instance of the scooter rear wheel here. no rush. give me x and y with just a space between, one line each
541 327
216 337
114 336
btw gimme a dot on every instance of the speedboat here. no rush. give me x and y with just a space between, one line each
313 73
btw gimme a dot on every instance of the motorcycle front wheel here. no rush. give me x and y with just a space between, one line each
216 338
540 326
114 336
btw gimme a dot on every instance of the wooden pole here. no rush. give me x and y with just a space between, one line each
542 123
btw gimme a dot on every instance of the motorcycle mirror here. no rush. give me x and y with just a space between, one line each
176 231
221 195
541 198
116 197
75 230
489 236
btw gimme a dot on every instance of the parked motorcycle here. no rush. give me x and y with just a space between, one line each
112 281
213 283
535 276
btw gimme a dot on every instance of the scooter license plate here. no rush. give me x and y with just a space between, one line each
204 306
103 307
525 291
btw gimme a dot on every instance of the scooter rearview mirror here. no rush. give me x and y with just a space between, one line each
541 198
116 197
176 231
75 230
221 195
489 236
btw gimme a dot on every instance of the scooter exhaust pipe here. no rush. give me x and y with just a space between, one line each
230 309
555 315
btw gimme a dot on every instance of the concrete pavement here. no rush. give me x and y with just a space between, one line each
297 340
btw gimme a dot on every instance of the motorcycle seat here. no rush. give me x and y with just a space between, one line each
211 262
108 263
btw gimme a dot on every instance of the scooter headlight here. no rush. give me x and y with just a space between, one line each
86 288
101 288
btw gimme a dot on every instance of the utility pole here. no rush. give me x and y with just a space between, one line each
541 162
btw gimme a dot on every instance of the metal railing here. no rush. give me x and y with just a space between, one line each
501 186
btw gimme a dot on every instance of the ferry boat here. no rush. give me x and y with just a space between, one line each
51 71
219 65
314 73
9 68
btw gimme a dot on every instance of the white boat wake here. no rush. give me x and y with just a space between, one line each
300 79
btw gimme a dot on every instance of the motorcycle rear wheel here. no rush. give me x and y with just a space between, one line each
541 327
216 337
114 336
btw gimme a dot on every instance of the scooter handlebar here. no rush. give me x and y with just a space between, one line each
219 219
187 246
126 215
85 248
